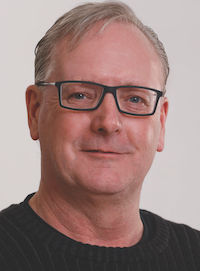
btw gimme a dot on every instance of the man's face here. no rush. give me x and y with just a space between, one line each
101 151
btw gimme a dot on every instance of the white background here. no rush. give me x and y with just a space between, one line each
172 187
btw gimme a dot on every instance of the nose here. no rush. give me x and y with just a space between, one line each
106 120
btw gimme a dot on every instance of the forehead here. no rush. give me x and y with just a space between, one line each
118 53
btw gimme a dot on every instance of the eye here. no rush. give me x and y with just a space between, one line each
135 99
78 96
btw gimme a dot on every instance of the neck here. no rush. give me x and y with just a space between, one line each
103 220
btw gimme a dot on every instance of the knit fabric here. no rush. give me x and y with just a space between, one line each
27 243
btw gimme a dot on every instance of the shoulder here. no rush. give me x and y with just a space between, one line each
10 220
13 215
9 235
13 220
171 224
186 236
180 236
7 216
16 240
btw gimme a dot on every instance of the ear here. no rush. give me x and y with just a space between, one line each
33 103
163 116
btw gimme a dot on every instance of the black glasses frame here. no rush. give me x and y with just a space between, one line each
106 89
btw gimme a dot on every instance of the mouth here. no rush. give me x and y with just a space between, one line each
98 151
102 152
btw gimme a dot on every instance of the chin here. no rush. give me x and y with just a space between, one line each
106 184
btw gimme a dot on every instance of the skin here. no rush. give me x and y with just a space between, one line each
94 197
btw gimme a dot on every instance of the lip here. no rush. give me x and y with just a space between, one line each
103 154
102 151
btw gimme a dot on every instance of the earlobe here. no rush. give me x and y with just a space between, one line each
33 102
163 116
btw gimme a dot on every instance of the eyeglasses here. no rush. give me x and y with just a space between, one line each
86 96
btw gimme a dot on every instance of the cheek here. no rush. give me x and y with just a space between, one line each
144 134
70 125
62 130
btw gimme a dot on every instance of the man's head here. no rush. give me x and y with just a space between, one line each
101 151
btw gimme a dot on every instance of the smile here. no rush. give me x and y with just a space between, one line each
102 151
102 154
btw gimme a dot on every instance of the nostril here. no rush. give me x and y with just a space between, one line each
108 130
101 130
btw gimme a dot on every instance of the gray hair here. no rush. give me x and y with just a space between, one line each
80 20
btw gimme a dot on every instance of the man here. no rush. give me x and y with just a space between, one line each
98 109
